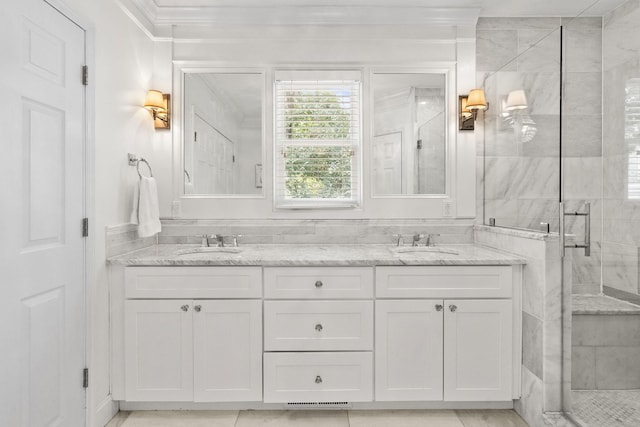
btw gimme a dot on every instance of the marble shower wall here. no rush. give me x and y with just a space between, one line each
621 225
542 317
519 151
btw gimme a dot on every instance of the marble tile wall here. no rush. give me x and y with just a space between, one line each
606 349
519 154
124 238
314 231
621 215
545 325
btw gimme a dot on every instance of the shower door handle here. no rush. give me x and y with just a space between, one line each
587 229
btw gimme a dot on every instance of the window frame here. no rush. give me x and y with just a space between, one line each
351 77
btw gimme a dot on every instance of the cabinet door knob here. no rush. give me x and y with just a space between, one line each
197 308
453 307
318 379
184 308
318 283
439 307
319 327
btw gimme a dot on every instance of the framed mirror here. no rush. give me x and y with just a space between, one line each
223 133
409 139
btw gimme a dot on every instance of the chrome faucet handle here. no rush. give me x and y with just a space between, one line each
399 241
235 239
205 241
416 239
430 238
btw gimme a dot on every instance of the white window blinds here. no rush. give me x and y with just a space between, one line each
318 141
632 136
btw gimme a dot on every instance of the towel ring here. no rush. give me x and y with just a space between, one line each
148 165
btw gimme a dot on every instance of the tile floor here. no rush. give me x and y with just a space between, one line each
426 418
607 408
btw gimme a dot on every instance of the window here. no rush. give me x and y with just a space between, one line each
318 139
632 137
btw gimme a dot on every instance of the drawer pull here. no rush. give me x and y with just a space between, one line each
318 283
184 308
453 307
319 327
318 379
439 307
197 308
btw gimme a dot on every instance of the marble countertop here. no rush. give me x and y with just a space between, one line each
317 255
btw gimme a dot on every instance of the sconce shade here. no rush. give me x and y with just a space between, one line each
158 104
516 100
154 101
476 100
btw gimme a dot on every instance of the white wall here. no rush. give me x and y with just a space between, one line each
121 71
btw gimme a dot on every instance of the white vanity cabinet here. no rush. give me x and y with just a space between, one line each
374 337
318 329
207 348
446 333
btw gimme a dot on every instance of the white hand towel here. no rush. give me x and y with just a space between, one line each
146 211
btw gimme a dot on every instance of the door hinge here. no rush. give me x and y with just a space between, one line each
85 378
233 158
195 136
85 227
85 75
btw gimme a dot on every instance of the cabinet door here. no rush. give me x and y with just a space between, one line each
408 350
227 350
158 350
477 350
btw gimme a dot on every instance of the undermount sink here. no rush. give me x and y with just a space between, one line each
404 250
209 250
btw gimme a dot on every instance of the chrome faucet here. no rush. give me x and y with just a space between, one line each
430 239
219 240
417 237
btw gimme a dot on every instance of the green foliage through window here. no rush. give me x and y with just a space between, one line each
318 152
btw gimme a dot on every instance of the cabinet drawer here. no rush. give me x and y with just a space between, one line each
318 325
318 377
318 282
193 282
444 282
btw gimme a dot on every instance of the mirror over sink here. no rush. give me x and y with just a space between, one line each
223 133
409 134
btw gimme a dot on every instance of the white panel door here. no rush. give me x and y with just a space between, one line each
477 350
42 299
158 350
408 350
227 350
387 168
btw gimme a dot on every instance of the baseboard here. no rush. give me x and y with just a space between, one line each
164 406
105 410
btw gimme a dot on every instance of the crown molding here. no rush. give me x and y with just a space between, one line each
157 19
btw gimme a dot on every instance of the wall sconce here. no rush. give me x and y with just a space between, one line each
516 100
158 105
468 107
